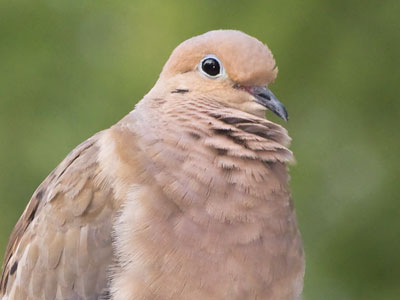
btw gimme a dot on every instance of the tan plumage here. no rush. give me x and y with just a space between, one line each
184 198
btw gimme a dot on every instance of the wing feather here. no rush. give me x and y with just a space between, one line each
64 235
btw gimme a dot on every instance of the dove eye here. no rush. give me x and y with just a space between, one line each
211 66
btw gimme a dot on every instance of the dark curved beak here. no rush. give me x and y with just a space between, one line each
266 98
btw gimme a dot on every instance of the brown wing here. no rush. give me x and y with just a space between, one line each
61 246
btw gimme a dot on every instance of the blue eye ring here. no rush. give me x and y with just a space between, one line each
211 67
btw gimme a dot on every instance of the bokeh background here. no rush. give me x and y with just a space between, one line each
69 68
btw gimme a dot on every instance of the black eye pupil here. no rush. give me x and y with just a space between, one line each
211 66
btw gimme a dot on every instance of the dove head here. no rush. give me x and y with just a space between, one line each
227 66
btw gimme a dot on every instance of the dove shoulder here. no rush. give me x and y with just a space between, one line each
61 247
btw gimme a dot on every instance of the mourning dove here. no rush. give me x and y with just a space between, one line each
186 197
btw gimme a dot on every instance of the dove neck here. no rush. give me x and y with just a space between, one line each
217 163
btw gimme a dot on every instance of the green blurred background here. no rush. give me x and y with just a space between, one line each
70 68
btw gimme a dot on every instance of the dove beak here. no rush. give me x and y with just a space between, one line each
266 98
